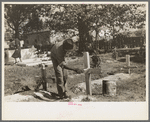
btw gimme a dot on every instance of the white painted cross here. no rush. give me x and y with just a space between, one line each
88 71
128 64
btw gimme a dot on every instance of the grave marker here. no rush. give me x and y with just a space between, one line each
88 71
128 64
87 75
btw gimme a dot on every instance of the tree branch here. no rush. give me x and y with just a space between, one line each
10 25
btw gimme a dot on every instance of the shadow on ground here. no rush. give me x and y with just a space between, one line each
41 95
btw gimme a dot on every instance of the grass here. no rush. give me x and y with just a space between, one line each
133 89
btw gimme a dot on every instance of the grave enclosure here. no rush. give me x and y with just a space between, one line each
29 57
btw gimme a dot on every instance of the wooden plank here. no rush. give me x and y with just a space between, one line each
44 77
128 49
95 71
86 60
21 64
87 75
88 84
87 70
130 67
92 71
34 63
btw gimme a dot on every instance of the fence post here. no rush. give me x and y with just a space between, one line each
128 62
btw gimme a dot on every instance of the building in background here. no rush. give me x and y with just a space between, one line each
36 37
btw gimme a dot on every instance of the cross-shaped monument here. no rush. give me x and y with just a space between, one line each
128 64
88 71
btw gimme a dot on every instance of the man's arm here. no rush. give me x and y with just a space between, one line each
77 70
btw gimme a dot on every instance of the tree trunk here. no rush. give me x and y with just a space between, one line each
16 31
83 34
84 37
114 40
97 44
80 36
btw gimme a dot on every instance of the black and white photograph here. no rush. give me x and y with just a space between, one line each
75 57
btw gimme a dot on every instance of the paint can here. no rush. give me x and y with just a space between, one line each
109 88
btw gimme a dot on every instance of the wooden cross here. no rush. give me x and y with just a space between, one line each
43 79
88 71
128 64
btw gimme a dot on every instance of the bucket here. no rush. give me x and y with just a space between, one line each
109 88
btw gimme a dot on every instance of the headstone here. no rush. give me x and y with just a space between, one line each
30 53
21 43
128 62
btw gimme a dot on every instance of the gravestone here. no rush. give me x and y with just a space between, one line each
88 72
128 64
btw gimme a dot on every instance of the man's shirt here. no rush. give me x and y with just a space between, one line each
58 52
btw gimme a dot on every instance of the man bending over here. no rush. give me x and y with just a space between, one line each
58 53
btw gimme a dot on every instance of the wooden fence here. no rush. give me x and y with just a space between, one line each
130 42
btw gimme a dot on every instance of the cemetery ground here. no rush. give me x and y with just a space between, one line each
130 87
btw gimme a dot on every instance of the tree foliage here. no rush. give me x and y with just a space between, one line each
84 17
22 17
115 17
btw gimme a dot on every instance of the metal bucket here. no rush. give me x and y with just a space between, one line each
109 88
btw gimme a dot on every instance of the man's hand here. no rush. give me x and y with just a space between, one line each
79 71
